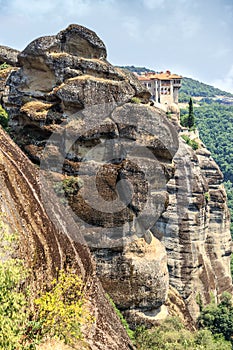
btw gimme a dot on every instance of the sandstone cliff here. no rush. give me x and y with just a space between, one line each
44 247
152 210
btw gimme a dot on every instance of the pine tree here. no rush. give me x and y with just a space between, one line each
191 118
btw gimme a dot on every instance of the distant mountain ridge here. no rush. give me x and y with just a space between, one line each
190 87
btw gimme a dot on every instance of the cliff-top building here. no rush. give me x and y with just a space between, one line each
163 86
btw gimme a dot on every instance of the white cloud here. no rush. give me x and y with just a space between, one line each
226 83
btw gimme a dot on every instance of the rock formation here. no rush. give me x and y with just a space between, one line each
152 210
44 247
195 228
8 55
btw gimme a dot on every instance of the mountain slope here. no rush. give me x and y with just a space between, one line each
192 87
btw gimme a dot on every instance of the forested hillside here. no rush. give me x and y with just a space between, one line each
215 124
138 70
194 88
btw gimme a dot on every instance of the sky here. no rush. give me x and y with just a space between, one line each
193 38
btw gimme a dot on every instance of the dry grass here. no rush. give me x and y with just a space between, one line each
36 110
5 72
53 345
58 345
93 78
65 54
59 54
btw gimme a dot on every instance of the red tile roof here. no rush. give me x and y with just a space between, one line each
159 76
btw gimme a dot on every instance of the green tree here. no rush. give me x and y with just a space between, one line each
191 119
62 311
171 335
219 318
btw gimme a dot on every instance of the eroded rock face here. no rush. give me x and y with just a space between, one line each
124 147
152 210
195 228
59 75
44 247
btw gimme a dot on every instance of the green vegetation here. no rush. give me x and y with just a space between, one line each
191 119
135 100
13 301
215 124
219 318
215 331
61 311
58 313
194 88
129 331
4 66
171 335
68 186
3 118
187 117
138 70
191 143
207 196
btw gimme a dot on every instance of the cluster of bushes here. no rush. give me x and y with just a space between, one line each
191 143
218 318
171 335
136 100
67 187
59 313
4 66
215 330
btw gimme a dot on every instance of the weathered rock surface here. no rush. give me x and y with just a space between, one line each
195 228
4 74
44 247
152 210
8 55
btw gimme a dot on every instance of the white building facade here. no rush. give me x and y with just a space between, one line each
164 86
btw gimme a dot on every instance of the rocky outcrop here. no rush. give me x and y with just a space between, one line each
4 74
195 228
152 210
8 55
59 75
44 247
